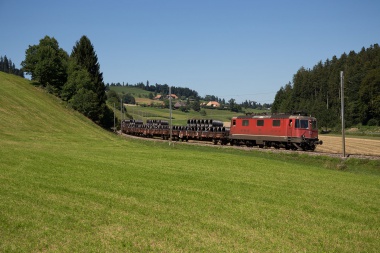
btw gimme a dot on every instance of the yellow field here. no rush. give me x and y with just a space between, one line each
148 101
333 144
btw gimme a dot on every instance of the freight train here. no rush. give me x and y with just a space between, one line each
296 131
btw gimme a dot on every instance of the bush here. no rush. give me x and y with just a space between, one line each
373 122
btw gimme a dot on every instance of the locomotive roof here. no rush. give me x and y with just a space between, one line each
274 116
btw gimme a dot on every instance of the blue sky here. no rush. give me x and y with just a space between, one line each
232 49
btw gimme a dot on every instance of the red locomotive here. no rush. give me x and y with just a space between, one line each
297 131
289 131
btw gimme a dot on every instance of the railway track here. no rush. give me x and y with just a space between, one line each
317 152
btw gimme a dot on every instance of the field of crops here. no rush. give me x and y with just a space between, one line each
358 146
66 185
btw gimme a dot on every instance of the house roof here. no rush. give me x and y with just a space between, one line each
179 104
173 96
213 104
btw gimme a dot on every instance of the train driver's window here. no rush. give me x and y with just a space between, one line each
234 122
314 124
302 123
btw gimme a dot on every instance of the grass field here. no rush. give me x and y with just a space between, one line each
134 91
68 186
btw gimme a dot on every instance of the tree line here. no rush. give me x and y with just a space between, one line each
163 89
7 66
75 78
317 90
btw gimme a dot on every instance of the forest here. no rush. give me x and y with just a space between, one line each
7 66
317 91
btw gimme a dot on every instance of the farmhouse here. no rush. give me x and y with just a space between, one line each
174 96
179 105
213 104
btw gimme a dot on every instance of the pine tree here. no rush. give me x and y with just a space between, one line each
6 65
83 54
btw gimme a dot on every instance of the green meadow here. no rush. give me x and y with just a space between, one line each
66 185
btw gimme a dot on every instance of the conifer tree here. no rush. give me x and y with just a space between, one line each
83 54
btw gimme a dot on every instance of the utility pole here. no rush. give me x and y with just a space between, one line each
342 113
121 110
170 109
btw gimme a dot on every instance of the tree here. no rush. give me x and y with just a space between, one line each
129 99
113 99
195 105
370 96
85 101
234 107
83 54
78 78
6 65
46 63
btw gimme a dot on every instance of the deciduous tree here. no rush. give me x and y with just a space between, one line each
47 63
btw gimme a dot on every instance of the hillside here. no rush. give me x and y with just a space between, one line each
28 112
67 185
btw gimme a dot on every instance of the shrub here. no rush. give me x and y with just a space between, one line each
373 122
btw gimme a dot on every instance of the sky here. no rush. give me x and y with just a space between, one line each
245 50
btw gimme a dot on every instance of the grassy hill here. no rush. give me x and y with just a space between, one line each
67 185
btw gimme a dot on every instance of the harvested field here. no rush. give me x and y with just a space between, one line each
354 146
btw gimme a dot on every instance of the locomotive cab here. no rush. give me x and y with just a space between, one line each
304 133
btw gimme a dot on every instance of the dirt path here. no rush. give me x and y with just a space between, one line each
333 144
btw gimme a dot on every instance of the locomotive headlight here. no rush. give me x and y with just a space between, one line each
303 136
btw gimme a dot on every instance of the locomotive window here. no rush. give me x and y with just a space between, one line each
276 123
302 123
260 122
245 122
314 124
234 122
